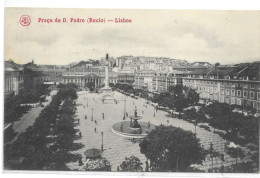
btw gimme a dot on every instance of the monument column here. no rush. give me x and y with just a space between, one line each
106 77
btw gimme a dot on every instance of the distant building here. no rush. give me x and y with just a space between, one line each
52 73
238 85
33 76
83 75
14 79
126 77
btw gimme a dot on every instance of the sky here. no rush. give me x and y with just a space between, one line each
209 36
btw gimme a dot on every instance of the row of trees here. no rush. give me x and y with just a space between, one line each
237 125
12 108
177 97
47 143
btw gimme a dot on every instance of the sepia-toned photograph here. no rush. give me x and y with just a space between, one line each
131 90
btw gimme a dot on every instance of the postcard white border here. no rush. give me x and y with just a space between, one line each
118 4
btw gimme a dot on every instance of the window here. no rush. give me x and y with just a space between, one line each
215 89
222 99
239 85
204 88
227 100
252 94
245 85
252 86
245 94
238 93
258 95
207 89
211 89
227 91
222 91
238 101
233 92
232 100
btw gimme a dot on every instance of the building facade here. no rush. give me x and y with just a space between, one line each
32 76
238 85
14 79
84 75
52 73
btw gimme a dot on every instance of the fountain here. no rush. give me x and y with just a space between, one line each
133 128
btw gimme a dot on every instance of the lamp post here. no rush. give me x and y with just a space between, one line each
154 112
92 115
102 141
124 108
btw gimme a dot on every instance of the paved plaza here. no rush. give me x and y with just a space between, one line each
116 148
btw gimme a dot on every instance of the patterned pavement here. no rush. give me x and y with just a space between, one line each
116 148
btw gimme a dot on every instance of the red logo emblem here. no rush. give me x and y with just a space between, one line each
25 20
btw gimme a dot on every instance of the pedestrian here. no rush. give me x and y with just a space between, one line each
95 129
78 120
146 166
80 162
149 125
103 115
126 114
142 112
222 169
95 121
85 117
121 127
79 134
118 168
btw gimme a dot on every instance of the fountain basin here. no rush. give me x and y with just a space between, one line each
131 132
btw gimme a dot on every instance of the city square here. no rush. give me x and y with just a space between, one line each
100 101
116 147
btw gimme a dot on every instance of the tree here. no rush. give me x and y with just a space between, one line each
101 164
111 85
191 96
176 89
131 164
172 149
194 116
90 85
212 154
236 152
